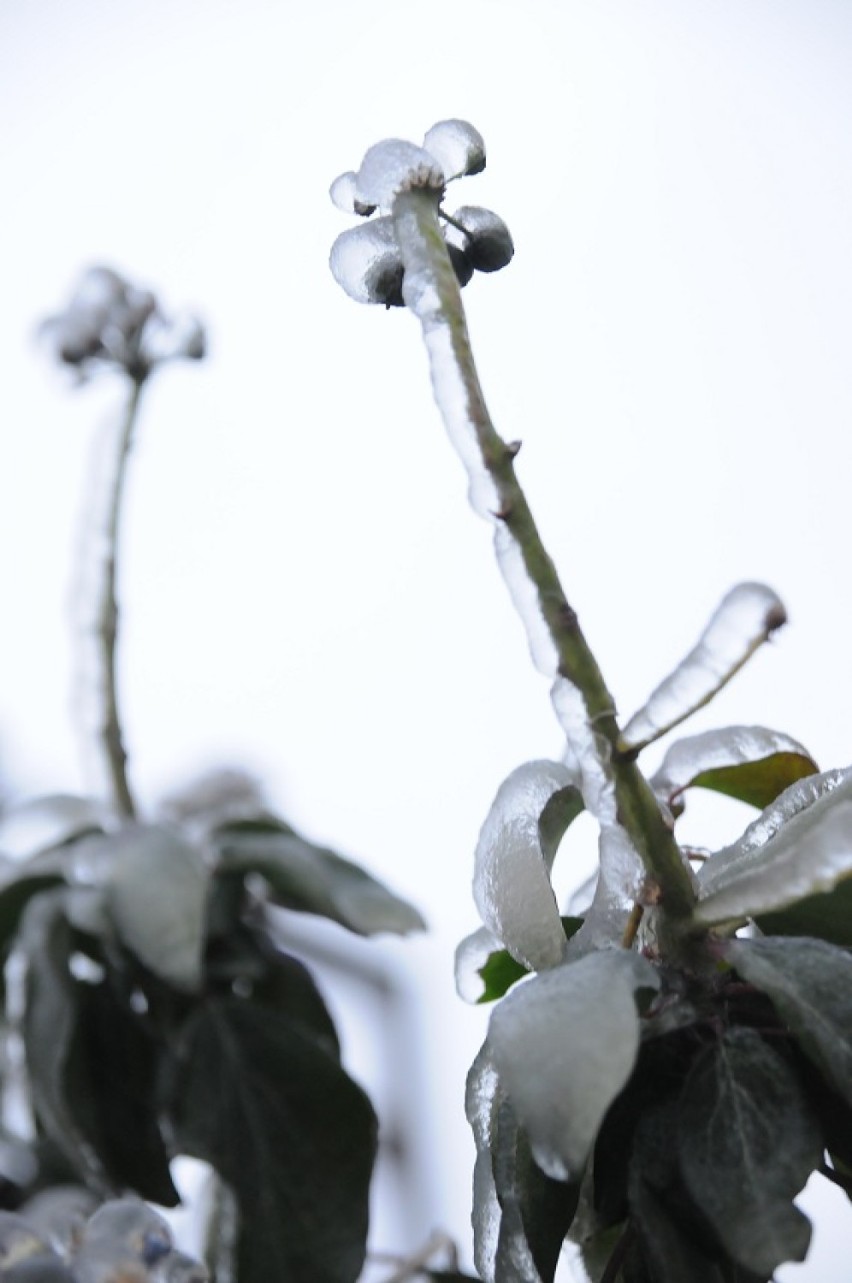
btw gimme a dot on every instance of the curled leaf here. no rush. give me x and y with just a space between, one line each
511 884
743 621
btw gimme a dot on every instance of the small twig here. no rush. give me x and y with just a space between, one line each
632 927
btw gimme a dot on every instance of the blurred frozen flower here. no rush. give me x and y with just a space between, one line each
366 260
112 323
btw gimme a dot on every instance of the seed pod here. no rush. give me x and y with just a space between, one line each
458 147
367 263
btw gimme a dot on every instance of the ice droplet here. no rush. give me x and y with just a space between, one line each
366 262
343 194
511 883
488 242
393 166
744 619
457 147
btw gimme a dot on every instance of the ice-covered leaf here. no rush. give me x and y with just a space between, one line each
743 621
366 262
747 1143
801 845
110 1083
511 884
500 970
20 881
46 822
482 1099
536 1211
564 1044
313 879
157 896
49 1023
750 763
810 984
261 1099
488 242
394 166
457 147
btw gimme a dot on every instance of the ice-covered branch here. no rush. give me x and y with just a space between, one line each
430 289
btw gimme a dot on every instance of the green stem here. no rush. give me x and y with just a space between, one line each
431 291
106 624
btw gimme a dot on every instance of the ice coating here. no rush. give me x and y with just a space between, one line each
472 953
511 881
366 262
342 192
564 1044
524 596
799 846
457 147
393 166
480 1101
489 241
711 750
744 620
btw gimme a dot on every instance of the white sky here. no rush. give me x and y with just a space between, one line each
306 591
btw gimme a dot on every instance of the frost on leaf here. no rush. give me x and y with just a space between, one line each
366 262
744 620
800 845
511 884
564 1044
457 147
751 763
394 166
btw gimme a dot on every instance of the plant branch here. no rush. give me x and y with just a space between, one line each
431 291
109 730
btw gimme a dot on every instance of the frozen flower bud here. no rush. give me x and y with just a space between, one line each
457 147
343 195
394 166
367 263
489 243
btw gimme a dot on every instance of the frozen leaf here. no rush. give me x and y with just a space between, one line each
472 954
810 984
313 879
500 970
457 147
799 846
536 1210
511 884
366 262
744 620
49 821
48 1027
827 916
564 1044
748 1141
482 1099
750 763
158 891
393 166
261 1099
488 242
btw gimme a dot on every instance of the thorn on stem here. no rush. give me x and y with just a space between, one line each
513 449
503 514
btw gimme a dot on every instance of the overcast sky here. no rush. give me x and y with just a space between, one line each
305 590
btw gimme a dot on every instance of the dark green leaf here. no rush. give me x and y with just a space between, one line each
747 1142
560 811
501 970
750 763
158 892
810 984
313 879
260 1098
110 1085
827 916
49 1023
536 1211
